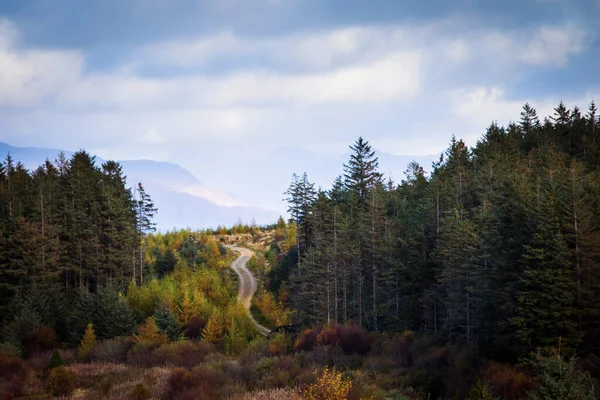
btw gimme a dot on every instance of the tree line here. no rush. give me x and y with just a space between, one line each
70 225
497 247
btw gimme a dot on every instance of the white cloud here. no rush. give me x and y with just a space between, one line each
26 76
394 77
553 45
545 46
480 106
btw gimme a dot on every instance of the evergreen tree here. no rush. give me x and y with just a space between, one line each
167 323
361 173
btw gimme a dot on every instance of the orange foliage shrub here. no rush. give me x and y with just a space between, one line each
354 339
327 337
13 373
41 339
306 340
508 381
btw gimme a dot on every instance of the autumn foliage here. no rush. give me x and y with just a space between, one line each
330 385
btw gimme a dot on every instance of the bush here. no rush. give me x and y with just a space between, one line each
140 392
306 340
60 382
508 382
179 381
56 360
327 337
330 385
10 350
184 354
111 350
41 339
13 374
279 344
354 339
200 383
194 328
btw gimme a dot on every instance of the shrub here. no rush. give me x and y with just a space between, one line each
140 392
306 340
41 339
194 328
60 382
354 339
87 343
201 383
180 380
508 382
279 344
13 374
330 385
12 367
111 350
184 354
327 337
56 360
10 350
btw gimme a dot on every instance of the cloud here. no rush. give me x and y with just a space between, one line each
27 76
545 46
394 77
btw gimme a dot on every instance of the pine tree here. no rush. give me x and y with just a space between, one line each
361 173
167 324
145 212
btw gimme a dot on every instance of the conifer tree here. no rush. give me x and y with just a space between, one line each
87 343
213 331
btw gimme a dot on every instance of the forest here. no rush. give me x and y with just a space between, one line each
477 280
498 247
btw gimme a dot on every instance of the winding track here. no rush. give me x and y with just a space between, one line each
247 283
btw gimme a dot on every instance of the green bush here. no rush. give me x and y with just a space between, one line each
60 382
559 379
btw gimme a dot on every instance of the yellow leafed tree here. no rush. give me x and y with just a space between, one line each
87 343
148 334
213 331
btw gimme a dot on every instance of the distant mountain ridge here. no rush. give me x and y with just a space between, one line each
182 200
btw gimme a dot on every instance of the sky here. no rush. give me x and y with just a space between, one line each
221 86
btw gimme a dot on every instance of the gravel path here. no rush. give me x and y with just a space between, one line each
247 283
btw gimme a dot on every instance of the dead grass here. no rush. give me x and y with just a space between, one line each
276 394
112 381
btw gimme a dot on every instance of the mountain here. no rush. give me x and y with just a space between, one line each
182 200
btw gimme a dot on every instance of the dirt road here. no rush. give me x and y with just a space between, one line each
247 283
